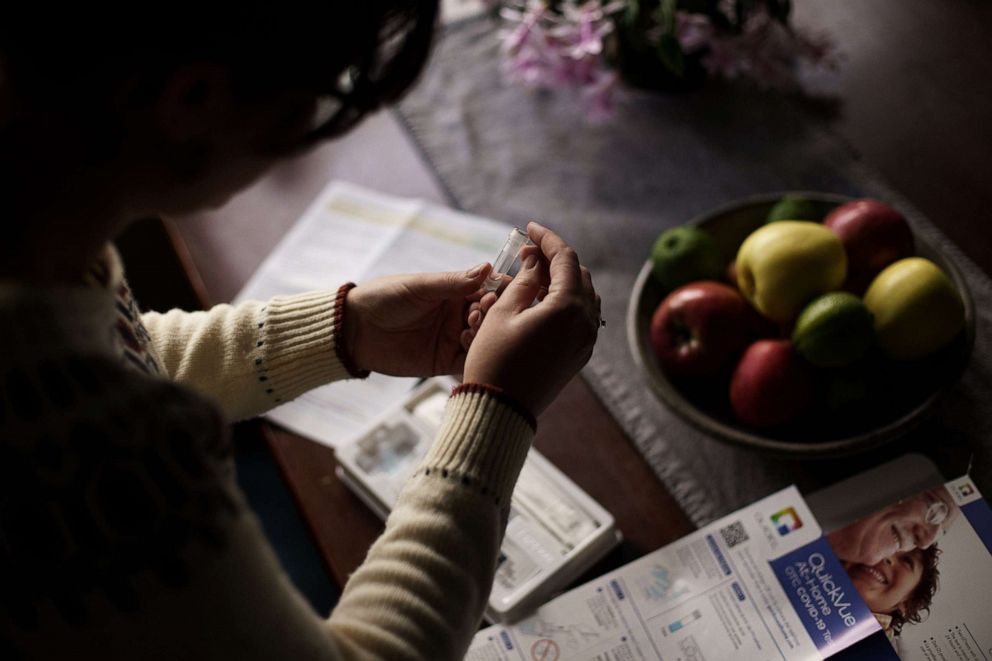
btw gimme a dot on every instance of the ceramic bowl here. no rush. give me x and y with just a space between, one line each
906 395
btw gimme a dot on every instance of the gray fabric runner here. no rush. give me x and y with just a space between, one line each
516 155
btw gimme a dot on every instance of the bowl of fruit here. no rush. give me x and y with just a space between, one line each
800 324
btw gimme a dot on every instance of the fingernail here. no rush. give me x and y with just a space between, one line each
476 271
530 261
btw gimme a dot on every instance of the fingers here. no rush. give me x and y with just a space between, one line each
450 284
522 291
505 280
543 267
487 302
587 281
563 267
536 250
565 274
466 339
550 267
478 309
474 317
594 302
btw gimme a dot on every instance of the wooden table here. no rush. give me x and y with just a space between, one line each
940 168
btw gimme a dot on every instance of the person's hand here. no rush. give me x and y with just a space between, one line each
532 352
411 325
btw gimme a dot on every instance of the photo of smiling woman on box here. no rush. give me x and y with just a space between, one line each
892 556
122 531
900 588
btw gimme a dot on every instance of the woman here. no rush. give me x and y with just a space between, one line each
898 589
122 532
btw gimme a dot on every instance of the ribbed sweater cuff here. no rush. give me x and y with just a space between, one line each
295 351
483 442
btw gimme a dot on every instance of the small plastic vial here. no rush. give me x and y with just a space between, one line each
507 257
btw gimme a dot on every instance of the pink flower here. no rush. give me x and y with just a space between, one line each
528 23
585 26
562 49
694 31
766 51
561 46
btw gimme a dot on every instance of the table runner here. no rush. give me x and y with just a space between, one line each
610 189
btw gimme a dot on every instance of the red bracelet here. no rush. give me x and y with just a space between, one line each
341 350
500 395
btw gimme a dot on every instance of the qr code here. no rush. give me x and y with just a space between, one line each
734 534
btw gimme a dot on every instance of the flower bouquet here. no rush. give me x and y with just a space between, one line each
657 44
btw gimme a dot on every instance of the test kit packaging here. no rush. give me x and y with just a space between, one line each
555 530
790 578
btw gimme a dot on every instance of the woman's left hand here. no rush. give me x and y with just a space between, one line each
411 325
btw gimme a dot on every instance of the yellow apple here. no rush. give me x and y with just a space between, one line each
784 264
916 307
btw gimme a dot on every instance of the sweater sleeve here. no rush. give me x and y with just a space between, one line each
163 559
424 584
251 357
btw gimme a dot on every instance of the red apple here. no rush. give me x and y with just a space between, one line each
700 328
874 235
760 326
772 385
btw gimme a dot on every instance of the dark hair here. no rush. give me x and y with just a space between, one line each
360 54
916 608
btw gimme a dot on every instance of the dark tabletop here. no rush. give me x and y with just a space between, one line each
919 115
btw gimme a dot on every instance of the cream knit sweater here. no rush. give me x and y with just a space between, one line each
123 534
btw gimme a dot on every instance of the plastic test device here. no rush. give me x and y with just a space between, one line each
507 257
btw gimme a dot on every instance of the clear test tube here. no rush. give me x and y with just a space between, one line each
503 264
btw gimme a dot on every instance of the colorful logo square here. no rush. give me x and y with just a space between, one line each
786 521
966 489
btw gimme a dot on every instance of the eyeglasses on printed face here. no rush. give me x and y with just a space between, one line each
937 510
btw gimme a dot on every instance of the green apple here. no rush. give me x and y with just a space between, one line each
834 330
916 307
793 207
685 254
782 265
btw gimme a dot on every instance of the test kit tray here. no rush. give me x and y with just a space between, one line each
555 530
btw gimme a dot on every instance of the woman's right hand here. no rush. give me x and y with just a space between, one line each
532 352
